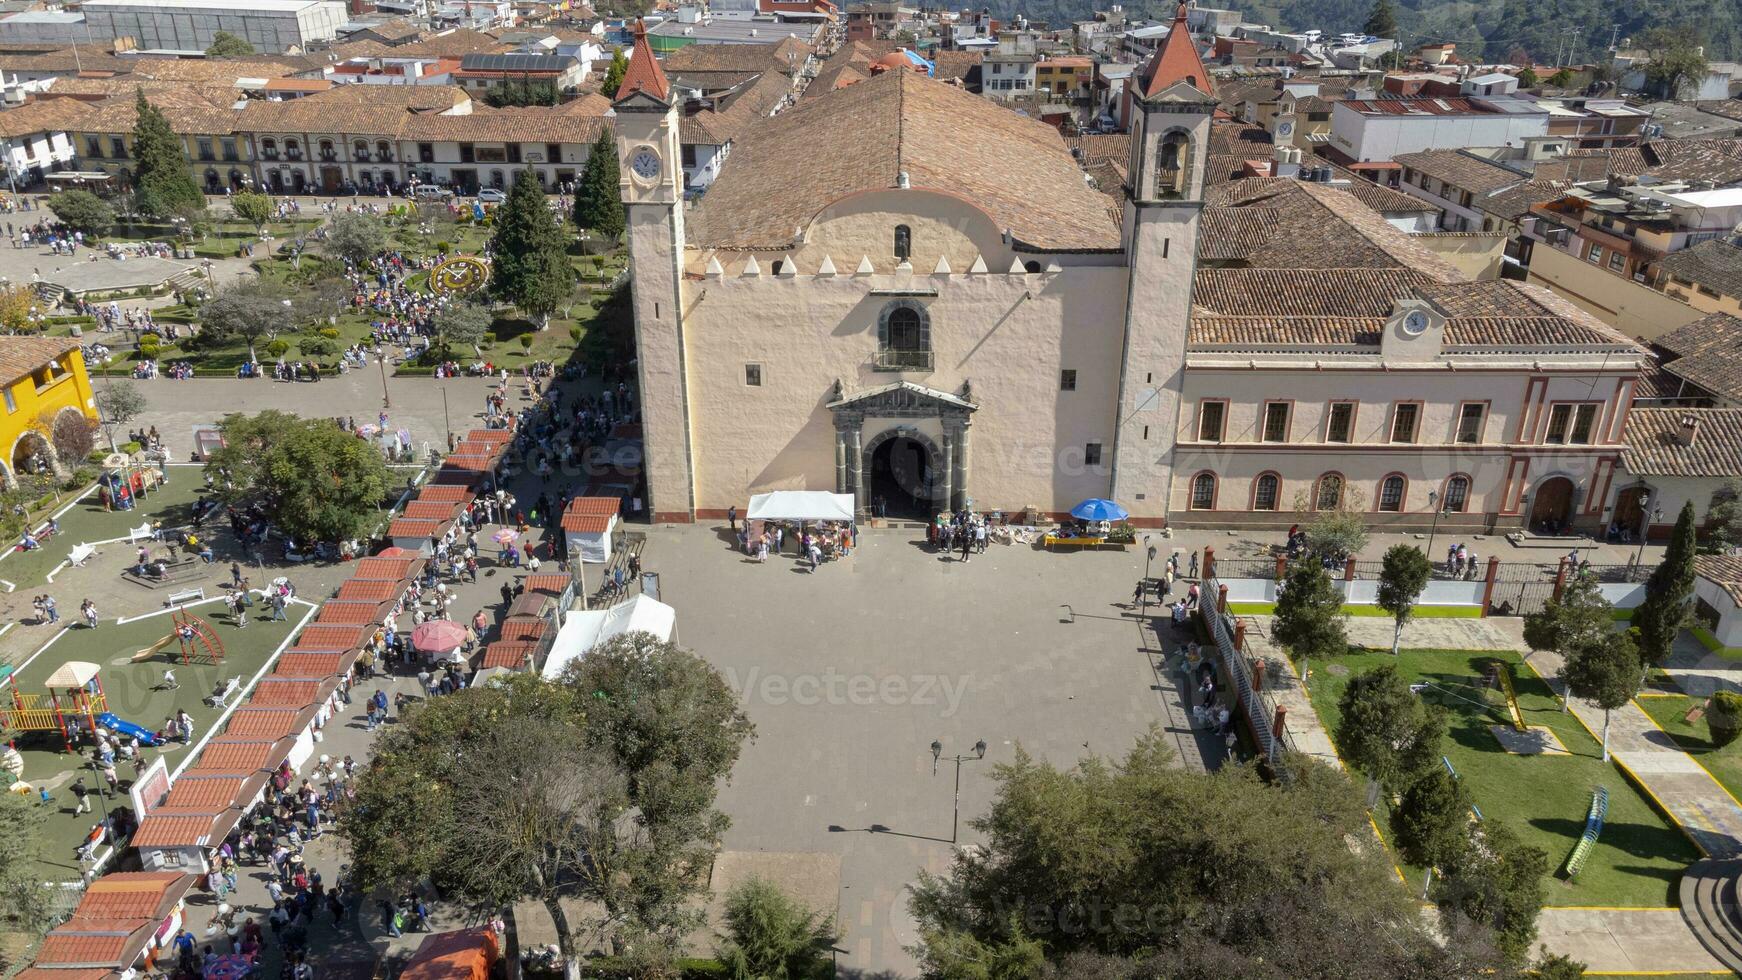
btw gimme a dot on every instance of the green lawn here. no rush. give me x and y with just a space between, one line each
1640 856
133 696
88 522
1724 764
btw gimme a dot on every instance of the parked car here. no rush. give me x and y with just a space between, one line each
430 192
492 195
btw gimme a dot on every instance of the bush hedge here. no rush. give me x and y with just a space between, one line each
1724 718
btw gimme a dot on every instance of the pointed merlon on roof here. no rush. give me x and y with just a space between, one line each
1176 60
644 73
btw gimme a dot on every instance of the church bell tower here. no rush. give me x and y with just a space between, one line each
1172 104
651 179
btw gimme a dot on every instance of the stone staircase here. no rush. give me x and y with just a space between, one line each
1708 903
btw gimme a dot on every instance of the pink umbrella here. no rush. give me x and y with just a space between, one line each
505 536
438 636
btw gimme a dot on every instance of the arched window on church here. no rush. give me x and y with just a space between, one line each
904 337
1172 163
903 242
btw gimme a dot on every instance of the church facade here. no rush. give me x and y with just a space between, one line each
907 293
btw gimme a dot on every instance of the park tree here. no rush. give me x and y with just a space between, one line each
356 237
1675 64
1117 859
25 905
1669 590
82 211
1724 517
598 201
464 324
1579 615
256 209
769 936
1527 79
1309 613
530 267
162 186
250 311
1495 884
1335 533
313 480
1606 671
614 74
118 403
227 45
1553 966
1385 731
21 309
1561 79
1381 20
71 433
1431 822
1402 578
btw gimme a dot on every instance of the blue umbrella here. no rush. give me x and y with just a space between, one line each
1098 509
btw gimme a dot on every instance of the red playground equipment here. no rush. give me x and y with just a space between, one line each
199 642
74 700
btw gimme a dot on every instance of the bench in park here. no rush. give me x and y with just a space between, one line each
81 553
185 596
221 698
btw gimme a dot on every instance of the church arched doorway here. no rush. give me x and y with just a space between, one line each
1553 506
901 479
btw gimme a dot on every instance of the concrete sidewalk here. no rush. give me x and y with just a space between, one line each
1636 941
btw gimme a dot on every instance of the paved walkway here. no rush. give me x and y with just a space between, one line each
1625 940
1694 800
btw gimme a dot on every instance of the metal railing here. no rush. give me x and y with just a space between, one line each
1246 694
902 360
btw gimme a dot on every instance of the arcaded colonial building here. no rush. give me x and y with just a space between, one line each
900 291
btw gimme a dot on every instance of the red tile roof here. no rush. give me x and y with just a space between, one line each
521 630
491 437
313 666
183 829
383 566
1176 60
238 755
208 794
268 722
440 493
39 973
133 895
644 74
550 583
292 691
370 590
353 612
113 943
407 527
431 510
590 515
334 637
505 654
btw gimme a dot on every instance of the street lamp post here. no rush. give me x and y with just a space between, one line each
937 749
1433 498
1647 516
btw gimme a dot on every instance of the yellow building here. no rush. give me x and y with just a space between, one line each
1065 77
41 379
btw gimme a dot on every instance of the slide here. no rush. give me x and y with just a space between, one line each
1511 699
145 735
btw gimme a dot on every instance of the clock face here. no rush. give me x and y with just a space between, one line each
1414 322
645 163
1284 129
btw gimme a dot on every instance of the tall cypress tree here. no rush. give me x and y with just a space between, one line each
531 265
162 186
1381 22
1659 618
598 201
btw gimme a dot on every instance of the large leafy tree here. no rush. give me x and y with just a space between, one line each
1385 731
227 45
25 906
256 209
162 186
1206 875
1494 885
1667 593
1309 613
356 237
769 936
1578 616
1724 519
1606 671
530 267
614 74
1381 21
1677 64
1402 577
313 480
251 310
1432 821
598 200
465 324
82 211
21 309
118 403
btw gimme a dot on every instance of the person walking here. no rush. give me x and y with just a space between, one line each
815 555
967 544
82 793
732 517
52 611
236 578
89 609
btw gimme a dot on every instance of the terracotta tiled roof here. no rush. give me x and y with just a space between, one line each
334 637
1462 170
1713 159
267 723
313 665
644 73
1715 264
957 65
291 691
1176 60
443 494
522 630
431 510
224 70
114 943
1708 354
384 567
162 830
590 515
208 794
407 527
1514 202
1654 444
507 654
240 756
785 55
1090 147
21 355
451 43
1725 570
42 973
349 612
133 895
38 116
548 583
370 590
1316 226
189 110
785 169
1233 233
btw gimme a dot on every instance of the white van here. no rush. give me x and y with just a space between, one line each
430 192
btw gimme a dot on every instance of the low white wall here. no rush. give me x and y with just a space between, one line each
1364 592
1623 595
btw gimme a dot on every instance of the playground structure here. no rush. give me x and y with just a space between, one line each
1517 716
82 702
197 640
1593 827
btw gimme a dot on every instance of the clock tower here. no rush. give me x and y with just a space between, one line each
650 169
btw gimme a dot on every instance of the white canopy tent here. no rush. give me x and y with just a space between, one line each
801 505
586 629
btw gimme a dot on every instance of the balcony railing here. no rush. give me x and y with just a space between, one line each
293 154
329 156
902 360
383 157
268 154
